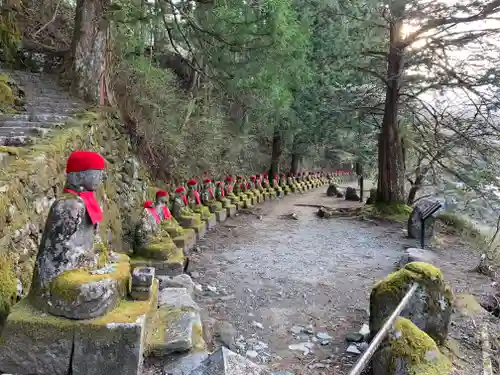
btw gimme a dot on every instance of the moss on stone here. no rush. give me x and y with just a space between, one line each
394 212
419 349
68 284
8 286
412 272
10 150
198 340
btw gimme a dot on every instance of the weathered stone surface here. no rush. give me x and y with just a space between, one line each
221 215
430 307
114 348
143 276
81 294
211 221
140 293
226 362
351 195
172 267
225 333
414 254
231 211
175 331
409 351
180 281
34 341
178 298
185 363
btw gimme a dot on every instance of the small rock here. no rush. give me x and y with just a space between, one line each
323 336
363 346
309 329
257 325
318 365
325 342
303 347
354 337
195 274
225 333
252 354
283 373
212 289
260 346
353 349
365 330
297 330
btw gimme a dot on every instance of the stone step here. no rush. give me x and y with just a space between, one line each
59 109
22 131
29 124
36 117
17 141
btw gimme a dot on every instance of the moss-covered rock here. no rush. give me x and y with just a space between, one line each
8 286
430 307
409 351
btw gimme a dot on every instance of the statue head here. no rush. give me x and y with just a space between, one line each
207 183
180 192
192 185
84 171
229 180
161 197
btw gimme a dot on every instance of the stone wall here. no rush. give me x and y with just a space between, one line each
32 177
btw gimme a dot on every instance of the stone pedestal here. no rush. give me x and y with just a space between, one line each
231 211
247 203
35 342
172 266
221 215
211 221
187 240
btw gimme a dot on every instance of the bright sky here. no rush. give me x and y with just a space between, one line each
468 58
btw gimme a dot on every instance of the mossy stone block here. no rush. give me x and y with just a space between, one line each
114 344
172 266
200 230
221 215
35 341
160 249
409 351
186 241
211 221
247 203
430 307
231 211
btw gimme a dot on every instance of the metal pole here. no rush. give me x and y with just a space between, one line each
377 340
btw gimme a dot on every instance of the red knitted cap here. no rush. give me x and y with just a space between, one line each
80 161
229 178
161 193
207 180
192 182
180 190
252 178
148 204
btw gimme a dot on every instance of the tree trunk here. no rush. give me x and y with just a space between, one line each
275 153
294 167
415 187
89 48
390 187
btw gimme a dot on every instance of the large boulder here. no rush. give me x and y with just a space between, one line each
409 351
373 197
413 254
430 307
351 195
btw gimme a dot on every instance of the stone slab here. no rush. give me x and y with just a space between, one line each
211 222
180 281
227 362
221 216
32 340
177 298
113 348
186 241
143 276
173 331
231 211
185 363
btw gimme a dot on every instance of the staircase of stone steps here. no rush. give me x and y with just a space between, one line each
47 107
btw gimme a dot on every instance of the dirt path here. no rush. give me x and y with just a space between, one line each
268 273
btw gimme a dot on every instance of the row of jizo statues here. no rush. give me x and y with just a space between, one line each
77 280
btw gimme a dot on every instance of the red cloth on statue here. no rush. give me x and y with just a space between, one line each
197 197
91 204
148 205
166 213
211 194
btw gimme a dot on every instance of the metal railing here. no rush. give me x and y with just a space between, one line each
381 335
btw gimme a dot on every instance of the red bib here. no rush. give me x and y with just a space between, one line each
91 204
197 197
211 194
166 213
